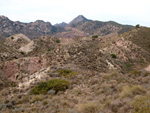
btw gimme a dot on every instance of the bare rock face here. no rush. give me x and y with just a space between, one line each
17 40
27 65
148 68
4 81
28 47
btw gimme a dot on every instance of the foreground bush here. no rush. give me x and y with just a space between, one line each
55 84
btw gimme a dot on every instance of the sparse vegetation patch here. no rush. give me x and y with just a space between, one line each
88 108
67 73
55 84
141 104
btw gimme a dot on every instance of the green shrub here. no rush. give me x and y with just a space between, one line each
57 41
22 52
66 72
55 84
113 56
95 36
49 49
12 37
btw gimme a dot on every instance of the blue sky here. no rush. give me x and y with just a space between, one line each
56 11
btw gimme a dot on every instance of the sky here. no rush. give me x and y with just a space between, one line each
130 12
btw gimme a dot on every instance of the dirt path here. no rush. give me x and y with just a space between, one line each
148 68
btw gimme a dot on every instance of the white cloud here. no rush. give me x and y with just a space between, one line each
55 11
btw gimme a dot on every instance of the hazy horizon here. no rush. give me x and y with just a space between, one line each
124 12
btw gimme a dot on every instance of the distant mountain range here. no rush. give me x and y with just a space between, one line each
79 26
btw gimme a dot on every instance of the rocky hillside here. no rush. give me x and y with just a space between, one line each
80 25
140 37
108 74
32 30
98 27
90 27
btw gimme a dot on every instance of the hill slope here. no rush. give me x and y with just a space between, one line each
104 74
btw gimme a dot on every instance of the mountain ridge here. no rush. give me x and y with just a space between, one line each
41 28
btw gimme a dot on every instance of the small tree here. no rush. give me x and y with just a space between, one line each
49 49
137 26
57 41
113 56
12 37
22 53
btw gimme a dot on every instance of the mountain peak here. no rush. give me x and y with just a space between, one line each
79 19
80 16
3 17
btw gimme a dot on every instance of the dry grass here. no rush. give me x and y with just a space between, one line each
37 98
141 104
88 108
45 102
115 75
24 99
130 91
